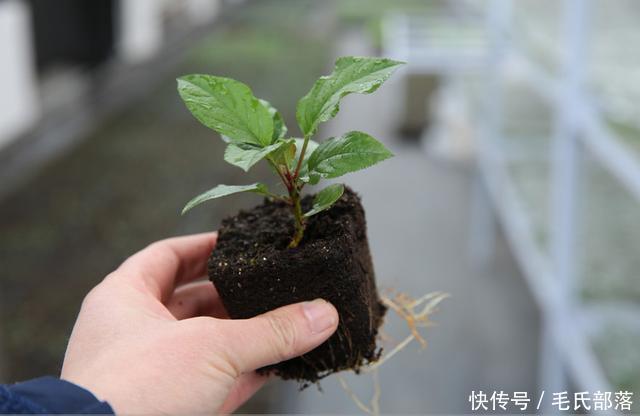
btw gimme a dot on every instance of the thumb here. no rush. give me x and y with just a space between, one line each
279 335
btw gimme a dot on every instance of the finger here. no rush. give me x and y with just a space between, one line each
245 386
163 265
196 299
278 335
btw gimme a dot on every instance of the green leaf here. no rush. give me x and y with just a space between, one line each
351 75
228 107
224 190
245 155
311 178
289 155
284 153
325 198
279 128
348 153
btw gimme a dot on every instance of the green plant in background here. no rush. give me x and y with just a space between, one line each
255 131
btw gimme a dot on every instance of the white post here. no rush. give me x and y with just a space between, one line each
202 11
483 221
499 27
19 107
565 159
141 29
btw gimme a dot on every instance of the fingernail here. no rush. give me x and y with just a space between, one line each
320 315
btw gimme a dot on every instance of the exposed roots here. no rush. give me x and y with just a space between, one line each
416 313
373 367
374 405
354 397
406 307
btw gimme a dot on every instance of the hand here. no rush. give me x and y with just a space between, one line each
149 339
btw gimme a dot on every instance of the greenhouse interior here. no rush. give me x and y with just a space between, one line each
503 231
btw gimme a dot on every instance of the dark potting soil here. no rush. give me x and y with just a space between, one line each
254 272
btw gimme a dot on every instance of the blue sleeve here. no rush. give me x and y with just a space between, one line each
49 395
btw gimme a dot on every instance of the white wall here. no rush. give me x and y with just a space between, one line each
141 26
141 29
19 107
202 11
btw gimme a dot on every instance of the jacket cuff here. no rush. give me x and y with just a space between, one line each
53 395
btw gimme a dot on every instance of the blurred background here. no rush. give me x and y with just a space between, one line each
514 188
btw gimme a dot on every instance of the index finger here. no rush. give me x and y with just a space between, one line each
165 264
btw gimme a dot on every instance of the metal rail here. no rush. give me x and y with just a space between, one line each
567 350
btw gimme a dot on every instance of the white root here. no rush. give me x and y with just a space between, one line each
375 400
373 367
354 397
405 307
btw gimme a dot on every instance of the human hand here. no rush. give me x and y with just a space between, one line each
149 339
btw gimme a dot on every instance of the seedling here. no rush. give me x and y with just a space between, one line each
255 130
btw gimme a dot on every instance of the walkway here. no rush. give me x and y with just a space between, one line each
418 212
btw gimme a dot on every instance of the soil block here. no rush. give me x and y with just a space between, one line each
254 272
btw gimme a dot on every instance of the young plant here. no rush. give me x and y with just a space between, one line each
255 130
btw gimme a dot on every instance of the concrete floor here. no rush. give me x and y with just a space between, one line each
418 212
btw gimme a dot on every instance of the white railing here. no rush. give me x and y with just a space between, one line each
567 351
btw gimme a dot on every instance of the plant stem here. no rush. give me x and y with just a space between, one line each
294 200
301 158
298 217
294 194
277 169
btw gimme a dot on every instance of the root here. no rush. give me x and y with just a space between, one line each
373 367
416 313
374 405
375 400
405 307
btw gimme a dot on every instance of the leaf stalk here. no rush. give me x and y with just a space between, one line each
302 154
